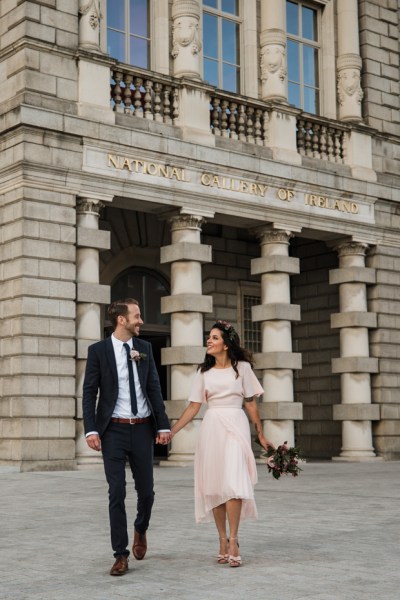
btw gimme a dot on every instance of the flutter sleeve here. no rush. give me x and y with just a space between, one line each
251 385
197 391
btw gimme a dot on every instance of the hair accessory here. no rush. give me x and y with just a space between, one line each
229 328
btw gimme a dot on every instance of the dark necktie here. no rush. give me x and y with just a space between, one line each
131 379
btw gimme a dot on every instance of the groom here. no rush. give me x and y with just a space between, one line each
130 415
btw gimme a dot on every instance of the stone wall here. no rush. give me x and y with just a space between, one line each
37 331
379 46
384 299
315 385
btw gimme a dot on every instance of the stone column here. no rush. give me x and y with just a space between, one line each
278 410
354 364
273 50
90 297
186 306
89 24
94 75
186 38
349 61
194 96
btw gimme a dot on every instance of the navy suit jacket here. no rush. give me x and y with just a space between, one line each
101 375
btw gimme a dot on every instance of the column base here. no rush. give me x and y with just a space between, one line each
178 460
361 458
26 466
88 464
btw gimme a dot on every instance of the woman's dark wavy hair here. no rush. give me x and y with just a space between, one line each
235 351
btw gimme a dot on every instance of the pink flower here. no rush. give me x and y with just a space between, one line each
135 355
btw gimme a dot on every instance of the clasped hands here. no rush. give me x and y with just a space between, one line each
164 437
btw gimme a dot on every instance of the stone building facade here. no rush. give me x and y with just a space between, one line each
234 159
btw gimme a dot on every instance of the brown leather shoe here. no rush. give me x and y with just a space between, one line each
139 547
120 566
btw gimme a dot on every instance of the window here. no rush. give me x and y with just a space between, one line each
221 33
128 31
148 287
250 331
303 56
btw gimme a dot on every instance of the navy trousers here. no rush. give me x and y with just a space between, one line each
122 442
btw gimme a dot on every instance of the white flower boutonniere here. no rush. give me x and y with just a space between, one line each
137 356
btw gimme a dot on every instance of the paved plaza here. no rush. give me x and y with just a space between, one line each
331 534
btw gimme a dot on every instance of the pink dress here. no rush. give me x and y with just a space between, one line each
224 465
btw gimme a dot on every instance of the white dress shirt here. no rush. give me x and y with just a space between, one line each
123 408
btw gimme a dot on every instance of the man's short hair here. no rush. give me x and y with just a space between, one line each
119 308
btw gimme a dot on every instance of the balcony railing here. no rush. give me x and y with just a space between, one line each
239 118
321 138
148 95
144 95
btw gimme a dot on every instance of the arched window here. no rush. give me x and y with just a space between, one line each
148 287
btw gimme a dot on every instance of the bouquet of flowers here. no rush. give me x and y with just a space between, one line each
283 460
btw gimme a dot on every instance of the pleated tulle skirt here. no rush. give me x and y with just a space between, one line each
224 466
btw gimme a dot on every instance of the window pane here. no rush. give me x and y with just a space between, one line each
230 46
211 71
311 100
293 61
309 21
310 56
230 77
294 94
139 52
212 3
116 45
292 18
139 17
116 14
210 36
230 6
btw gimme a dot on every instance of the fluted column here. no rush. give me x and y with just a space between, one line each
276 313
89 24
349 61
354 364
273 50
90 297
186 305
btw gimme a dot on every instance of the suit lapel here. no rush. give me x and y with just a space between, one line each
111 357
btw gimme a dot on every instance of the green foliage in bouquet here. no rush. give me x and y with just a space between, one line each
283 460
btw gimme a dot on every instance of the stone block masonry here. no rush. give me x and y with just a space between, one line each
38 329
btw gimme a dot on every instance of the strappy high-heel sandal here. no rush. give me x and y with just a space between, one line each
223 559
235 561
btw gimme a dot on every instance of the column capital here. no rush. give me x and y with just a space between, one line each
178 222
351 248
268 235
89 206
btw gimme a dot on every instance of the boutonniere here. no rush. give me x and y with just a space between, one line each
137 356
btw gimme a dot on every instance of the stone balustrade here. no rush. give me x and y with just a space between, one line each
144 94
239 118
322 138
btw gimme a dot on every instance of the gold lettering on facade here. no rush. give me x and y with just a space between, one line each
233 185
285 194
153 169
147 168
331 204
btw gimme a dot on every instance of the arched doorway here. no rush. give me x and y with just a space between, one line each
148 287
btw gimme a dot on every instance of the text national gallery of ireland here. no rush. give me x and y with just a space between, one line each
214 159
